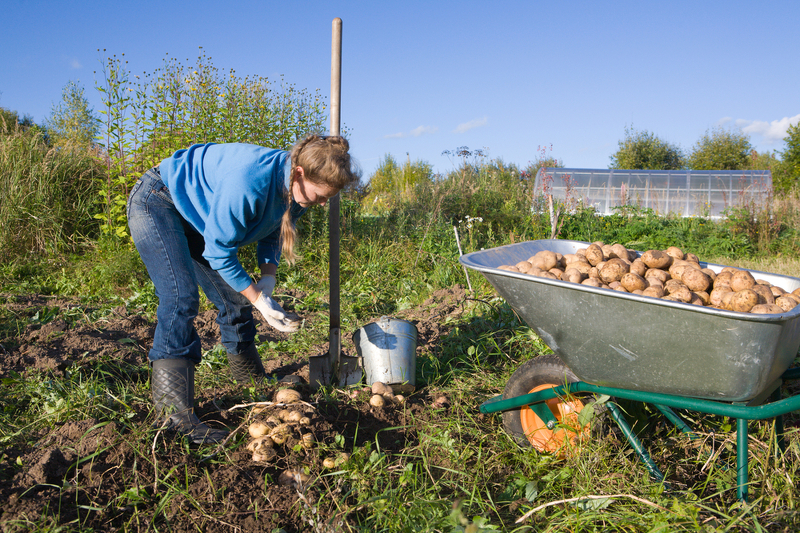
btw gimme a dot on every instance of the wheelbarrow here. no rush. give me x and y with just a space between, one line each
623 345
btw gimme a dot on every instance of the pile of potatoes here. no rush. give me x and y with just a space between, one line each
383 393
668 274
279 428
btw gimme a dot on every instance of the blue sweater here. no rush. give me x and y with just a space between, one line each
233 195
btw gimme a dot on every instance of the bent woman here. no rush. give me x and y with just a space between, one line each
188 218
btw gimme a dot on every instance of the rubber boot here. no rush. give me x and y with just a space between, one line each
246 366
173 396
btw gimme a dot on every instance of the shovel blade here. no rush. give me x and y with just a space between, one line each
321 370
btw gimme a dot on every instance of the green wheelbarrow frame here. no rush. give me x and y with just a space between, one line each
756 409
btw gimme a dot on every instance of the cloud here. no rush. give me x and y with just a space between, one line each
416 132
466 126
770 131
75 64
724 120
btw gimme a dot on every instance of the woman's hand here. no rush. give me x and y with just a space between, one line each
260 295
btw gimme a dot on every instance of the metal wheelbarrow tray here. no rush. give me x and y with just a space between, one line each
627 341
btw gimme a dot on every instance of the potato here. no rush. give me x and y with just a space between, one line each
523 266
258 429
764 294
725 301
656 259
710 273
741 280
573 275
304 421
581 266
594 272
571 258
638 267
544 260
657 273
293 477
673 285
682 294
633 282
619 287
787 304
730 269
715 298
273 421
287 396
377 401
766 309
307 440
557 272
796 292
793 296
696 280
691 257
258 444
723 278
674 252
264 455
592 282
381 388
618 250
704 297
695 299
743 301
777 291
294 416
329 462
594 254
655 291
613 270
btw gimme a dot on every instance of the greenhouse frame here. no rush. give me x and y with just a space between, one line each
703 193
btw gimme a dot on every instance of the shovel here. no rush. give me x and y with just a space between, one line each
322 369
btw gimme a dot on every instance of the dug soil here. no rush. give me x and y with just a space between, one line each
106 473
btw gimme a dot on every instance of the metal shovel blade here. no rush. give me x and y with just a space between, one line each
322 369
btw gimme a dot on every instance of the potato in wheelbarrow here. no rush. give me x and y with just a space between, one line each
525 426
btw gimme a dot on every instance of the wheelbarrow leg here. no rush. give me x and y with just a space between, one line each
741 459
644 457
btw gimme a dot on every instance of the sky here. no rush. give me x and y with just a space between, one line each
515 79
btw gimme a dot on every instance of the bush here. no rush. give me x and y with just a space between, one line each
721 149
644 150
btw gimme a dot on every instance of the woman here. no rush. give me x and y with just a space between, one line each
188 218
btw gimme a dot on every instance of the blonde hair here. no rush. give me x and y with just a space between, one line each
325 160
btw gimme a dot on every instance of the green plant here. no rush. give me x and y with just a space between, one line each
642 149
721 149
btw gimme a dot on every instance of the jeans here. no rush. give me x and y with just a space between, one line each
172 249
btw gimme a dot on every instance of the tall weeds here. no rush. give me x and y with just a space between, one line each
46 195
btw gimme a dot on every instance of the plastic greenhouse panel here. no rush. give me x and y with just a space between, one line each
683 192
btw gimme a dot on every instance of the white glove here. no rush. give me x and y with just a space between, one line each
266 284
275 315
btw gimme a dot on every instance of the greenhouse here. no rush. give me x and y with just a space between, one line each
706 193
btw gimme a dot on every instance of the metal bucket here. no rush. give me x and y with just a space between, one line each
388 351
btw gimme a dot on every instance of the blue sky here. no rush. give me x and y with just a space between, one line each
421 77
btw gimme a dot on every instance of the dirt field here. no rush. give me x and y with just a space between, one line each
105 473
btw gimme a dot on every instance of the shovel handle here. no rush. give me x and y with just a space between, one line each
333 209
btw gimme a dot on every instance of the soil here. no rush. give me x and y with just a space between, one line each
99 475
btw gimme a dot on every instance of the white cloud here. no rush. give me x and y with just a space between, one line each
416 132
724 120
466 126
770 131
74 63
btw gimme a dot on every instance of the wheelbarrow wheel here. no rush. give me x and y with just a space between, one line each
524 426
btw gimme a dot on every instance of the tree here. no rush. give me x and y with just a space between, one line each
721 149
9 121
645 150
72 121
791 156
